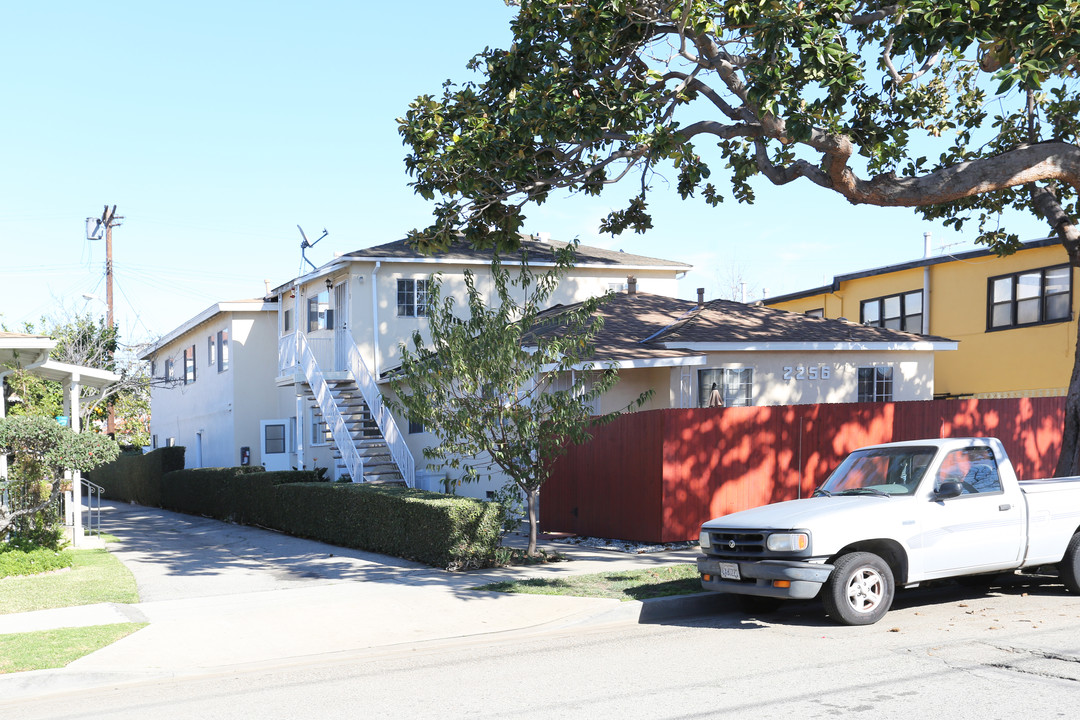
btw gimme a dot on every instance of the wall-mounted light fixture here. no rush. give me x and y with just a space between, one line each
329 284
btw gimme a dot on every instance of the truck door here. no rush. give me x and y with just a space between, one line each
983 529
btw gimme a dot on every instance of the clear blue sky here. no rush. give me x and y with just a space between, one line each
216 128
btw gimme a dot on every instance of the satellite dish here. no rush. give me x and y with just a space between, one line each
95 229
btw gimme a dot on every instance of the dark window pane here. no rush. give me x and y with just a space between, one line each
1027 311
1057 307
871 312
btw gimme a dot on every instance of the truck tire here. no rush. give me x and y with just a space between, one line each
860 589
1069 567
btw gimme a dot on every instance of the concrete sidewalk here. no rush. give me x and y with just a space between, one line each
223 596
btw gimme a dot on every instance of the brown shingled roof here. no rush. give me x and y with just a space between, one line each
642 326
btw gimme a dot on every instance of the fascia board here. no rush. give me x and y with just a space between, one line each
919 346
205 316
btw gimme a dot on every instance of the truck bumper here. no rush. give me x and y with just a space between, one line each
787 579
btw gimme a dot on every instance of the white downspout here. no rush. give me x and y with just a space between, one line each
375 320
926 285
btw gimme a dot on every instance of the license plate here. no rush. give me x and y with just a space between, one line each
729 571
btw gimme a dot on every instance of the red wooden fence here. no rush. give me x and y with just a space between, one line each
656 476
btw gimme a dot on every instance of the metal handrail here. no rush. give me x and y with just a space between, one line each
333 417
395 441
93 510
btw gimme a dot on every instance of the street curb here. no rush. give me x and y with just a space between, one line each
657 610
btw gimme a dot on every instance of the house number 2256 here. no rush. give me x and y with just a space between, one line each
806 372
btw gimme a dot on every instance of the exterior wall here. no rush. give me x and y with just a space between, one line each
1023 361
223 407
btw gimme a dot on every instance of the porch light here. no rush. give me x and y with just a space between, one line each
329 284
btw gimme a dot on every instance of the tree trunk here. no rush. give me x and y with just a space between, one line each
531 499
1070 434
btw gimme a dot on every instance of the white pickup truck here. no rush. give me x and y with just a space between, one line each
896 515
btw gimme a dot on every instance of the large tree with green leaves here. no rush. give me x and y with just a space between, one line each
508 386
41 450
960 110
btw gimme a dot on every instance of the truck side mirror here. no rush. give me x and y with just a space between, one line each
949 489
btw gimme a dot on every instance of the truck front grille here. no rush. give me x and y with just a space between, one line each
738 544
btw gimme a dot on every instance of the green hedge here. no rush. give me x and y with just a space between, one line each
137 478
440 530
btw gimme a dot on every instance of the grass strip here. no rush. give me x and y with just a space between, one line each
95 576
662 581
32 562
48 649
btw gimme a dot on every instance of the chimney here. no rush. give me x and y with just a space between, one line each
701 297
266 282
544 237
631 285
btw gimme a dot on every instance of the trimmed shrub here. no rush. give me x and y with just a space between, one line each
137 478
441 530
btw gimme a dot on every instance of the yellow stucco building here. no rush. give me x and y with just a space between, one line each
1014 317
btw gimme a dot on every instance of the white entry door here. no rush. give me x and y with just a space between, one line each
275 444
341 326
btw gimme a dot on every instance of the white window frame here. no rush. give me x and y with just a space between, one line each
883 384
412 297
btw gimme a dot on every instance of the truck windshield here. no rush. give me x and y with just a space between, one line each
882 471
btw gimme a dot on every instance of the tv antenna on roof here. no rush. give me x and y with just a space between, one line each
306 244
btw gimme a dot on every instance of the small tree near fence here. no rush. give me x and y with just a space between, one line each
40 450
507 387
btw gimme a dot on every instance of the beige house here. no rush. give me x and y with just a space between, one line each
214 383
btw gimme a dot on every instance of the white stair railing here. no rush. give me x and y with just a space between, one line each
333 417
395 441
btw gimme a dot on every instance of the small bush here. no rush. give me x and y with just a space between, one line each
30 561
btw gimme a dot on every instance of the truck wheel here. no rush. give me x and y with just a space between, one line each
860 589
1069 567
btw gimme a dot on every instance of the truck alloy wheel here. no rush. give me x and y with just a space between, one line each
860 589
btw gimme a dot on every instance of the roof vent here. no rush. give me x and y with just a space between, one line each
700 297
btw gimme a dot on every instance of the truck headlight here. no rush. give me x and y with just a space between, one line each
788 542
705 541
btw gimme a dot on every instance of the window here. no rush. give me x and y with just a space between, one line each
816 312
275 438
896 312
211 352
222 350
320 316
736 385
286 322
1030 298
415 426
153 368
320 431
875 384
974 468
189 365
412 298
169 369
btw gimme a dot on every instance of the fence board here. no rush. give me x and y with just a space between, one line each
655 476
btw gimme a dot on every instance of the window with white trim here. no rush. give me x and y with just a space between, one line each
320 316
412 298
211 352
1031 297
189 365
222 350
735 384
875 384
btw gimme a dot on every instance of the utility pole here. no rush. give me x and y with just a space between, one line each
110 219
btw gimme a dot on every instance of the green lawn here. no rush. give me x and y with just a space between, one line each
623 585
56 648
95 576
